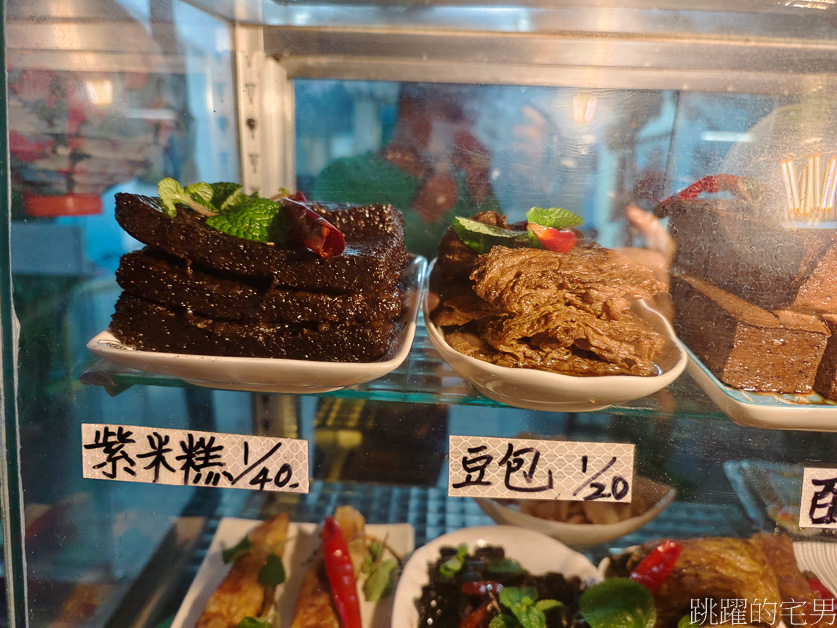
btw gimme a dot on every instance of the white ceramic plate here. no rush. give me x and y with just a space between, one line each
655 497
303 541
541 390
536 552
820 559
769 410
302 377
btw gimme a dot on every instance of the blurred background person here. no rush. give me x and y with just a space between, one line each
432 169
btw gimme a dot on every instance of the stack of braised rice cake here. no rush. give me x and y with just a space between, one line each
755 299
196 290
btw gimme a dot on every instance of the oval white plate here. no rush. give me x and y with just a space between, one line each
537 553
534 389
303 543
582 535
768 410
301 377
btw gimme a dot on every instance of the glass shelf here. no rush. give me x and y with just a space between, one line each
426 378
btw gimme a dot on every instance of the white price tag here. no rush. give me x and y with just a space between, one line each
188 458
540 469
818 507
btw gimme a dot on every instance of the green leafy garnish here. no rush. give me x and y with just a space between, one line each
618 603
503 566
226 195
481 237
258 219
522 609
235 552
686 622
254 622
373 554
198 196
273 572
454 564
380 582
555 217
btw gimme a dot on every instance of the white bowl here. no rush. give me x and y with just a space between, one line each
581 535
534 389
537 553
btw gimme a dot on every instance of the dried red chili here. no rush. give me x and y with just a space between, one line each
341 575
657 566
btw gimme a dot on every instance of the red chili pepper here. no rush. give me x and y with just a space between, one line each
341 575
745 188
656 567
312 230
481 587
481 617
299 197
558 240
818 587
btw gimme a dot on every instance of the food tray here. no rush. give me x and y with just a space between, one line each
303 541
768 410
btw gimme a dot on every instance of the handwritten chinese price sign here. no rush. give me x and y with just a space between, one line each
540 469
187 458
818 507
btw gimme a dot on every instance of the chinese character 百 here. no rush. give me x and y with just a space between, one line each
476 464
824 499
199 455
514 461
112 445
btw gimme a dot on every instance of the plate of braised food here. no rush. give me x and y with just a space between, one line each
760 581
534 317
582 524
279 574
265 294
492 575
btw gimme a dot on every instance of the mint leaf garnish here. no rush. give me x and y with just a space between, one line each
525 608
227 195
257 219
196 196
238 550
481 237
273 572
618 603
555 217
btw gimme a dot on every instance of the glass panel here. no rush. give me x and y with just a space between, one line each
441 110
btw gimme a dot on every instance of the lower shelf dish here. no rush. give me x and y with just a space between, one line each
767 410
303 542
650 499
537 553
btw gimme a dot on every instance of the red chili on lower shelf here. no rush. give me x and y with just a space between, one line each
818 587
657 566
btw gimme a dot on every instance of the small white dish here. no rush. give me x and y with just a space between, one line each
655 497
301 377
767 410
303 542
534 389
536 552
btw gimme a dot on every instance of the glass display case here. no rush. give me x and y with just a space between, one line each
655 363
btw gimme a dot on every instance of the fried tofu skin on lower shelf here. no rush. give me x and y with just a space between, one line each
241 594
314 604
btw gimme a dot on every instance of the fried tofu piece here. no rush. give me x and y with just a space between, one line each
241 594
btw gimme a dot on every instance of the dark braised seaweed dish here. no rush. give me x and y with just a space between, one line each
487 588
